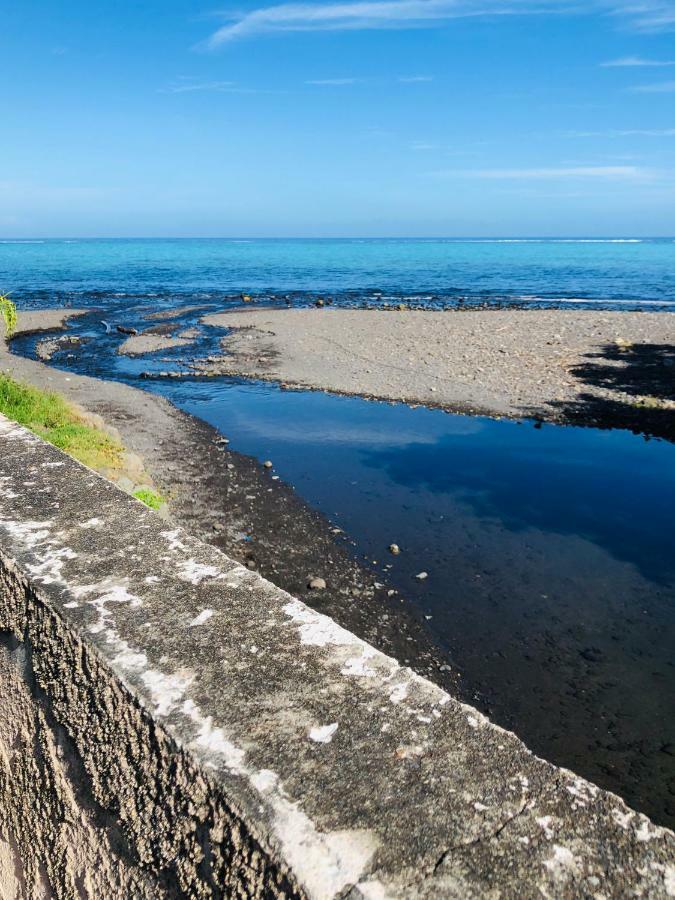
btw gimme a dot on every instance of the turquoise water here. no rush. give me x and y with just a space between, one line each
433 272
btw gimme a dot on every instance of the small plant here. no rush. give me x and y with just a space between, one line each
8 310
149 497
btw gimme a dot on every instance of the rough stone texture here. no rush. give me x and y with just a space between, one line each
557 364
225 739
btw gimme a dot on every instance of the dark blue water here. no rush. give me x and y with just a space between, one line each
549 550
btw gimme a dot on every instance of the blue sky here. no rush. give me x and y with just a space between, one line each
385 117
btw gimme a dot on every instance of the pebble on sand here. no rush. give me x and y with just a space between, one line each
316 584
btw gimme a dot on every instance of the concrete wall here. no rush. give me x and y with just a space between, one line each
173 725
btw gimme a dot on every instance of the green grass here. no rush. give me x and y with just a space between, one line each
48 415
8 312
149 497
51 417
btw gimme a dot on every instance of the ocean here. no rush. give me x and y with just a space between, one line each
612 273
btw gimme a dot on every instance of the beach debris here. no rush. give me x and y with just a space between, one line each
422 575
316 584
268 464
394 549
125 329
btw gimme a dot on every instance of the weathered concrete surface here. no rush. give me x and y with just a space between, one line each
241 744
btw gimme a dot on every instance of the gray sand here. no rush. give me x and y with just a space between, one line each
138 344
502 362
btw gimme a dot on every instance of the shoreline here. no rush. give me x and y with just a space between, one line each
231 501
609 369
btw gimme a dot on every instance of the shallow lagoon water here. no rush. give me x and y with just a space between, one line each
549 553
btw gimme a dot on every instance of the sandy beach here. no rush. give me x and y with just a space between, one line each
559 365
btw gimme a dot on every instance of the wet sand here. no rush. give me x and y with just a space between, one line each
559 365
233 502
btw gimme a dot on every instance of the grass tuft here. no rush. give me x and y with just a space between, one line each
149 497
8 312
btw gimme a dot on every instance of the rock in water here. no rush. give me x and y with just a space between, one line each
394 549
316 584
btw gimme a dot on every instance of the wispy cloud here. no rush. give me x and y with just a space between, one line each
660 87
187 86
636 62
642 15
623 132
414 79
646 15
333 82
367 14
553 173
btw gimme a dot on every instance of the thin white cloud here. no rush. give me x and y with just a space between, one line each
186 87
636 62
646 15
553 173
189 86
367 14
623 132
642 15
415 79
661 87
333 82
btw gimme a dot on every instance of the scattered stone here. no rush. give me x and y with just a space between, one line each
124 329
394 549
422 576
268 464
246 298
316 584
319 302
